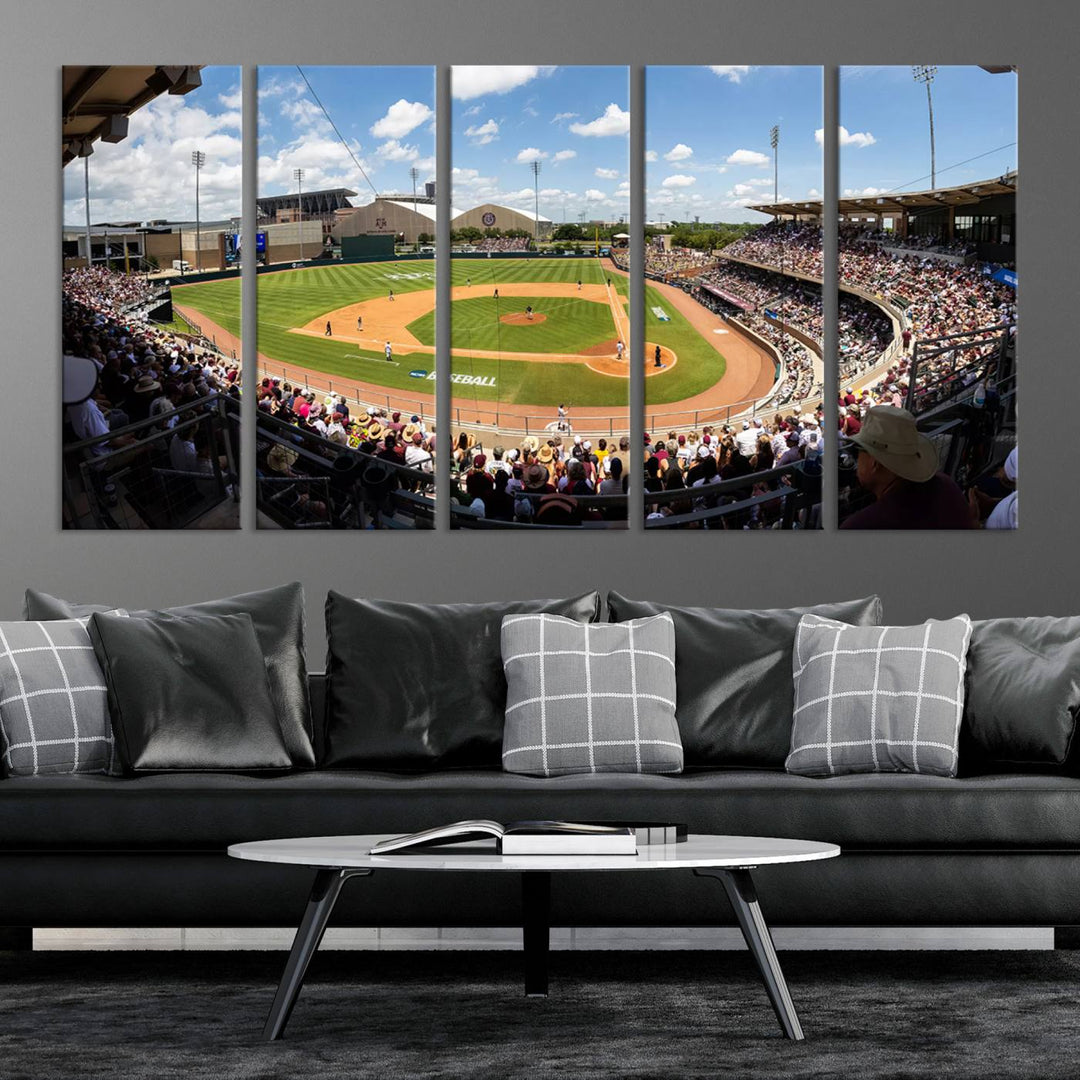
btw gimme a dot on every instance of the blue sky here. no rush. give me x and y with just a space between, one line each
149 174
385 114
885 115
707 139
574 120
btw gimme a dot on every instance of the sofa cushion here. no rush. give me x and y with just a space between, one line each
54 715
278 616
878 698
188 694
589 698
733 670
421 686
1023 694
172 812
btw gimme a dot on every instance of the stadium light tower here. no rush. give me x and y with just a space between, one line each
774 142
298 176
925 73
535 166
414 174
198 159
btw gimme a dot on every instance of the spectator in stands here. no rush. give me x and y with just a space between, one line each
899 466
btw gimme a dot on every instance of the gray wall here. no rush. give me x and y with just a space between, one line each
1031 572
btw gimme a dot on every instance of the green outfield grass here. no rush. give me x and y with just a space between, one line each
292 298
569 325
699 365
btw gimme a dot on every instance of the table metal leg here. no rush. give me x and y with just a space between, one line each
324 894
740 890
536 929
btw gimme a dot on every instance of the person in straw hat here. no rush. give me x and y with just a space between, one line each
898 465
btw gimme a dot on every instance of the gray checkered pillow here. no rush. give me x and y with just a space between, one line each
878 698
589 697
54 713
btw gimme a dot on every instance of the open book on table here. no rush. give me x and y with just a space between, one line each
523 838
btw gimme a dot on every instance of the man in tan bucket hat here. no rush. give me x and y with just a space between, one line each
898 465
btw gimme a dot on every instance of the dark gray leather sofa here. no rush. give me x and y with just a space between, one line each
918 850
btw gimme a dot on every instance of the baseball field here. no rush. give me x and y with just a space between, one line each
566 351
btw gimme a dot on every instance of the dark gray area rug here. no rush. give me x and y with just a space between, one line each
390 1015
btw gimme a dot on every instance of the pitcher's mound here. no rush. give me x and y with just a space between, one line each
519 318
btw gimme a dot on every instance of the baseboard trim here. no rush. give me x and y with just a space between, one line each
591 938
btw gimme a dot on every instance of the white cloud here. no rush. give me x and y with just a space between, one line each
392 150
530 111
564 155
740 190
650 155
474 110
550 192
749 157
847 138
679 180
530 153
482 134
520 195
560 116
608 174
149 174
855 193
615 121
305 114
234 99
731 72
401 118
623 188
468 82
679 152
595 195
813 193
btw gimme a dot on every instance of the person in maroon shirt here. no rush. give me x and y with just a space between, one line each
899 466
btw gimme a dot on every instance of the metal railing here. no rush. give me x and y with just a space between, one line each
328 485
128 478
785 497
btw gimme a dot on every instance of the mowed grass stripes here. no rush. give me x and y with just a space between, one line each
568 325
291 298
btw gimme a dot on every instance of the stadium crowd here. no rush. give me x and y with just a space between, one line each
144 370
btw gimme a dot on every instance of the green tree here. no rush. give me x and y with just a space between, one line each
424 238
568 230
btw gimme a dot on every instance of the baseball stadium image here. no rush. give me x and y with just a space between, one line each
151 179
540 325
734 432
345 298
926 421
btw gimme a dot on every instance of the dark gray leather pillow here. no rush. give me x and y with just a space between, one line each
1023 694
188 694
733 672
278 616
415 687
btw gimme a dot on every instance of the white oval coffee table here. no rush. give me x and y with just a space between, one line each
729 859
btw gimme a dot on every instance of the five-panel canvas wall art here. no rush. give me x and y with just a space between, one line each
785 337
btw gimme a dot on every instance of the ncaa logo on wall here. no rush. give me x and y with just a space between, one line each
488 219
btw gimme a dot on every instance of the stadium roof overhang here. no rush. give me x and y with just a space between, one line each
98 100
896 202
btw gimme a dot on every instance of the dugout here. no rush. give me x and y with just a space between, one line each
368 246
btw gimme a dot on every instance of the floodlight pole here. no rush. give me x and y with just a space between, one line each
298 176
198 159
774 142
86 203
925 73
535 166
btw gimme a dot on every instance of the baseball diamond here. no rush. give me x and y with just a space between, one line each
505 365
